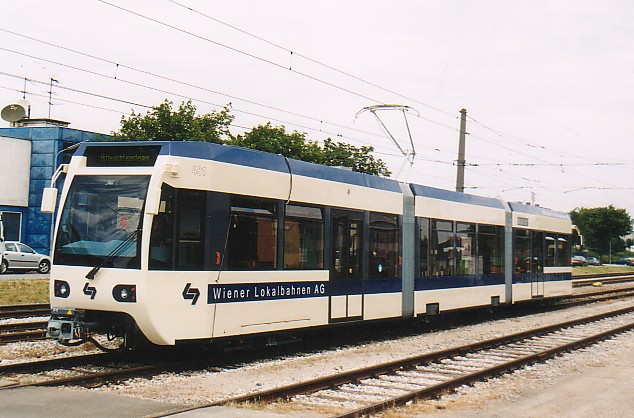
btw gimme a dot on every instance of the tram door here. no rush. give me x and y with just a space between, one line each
537 286
346 272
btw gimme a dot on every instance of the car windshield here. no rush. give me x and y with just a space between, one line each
99 214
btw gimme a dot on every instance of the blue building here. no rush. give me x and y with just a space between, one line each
31 150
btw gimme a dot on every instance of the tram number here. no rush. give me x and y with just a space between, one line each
198 170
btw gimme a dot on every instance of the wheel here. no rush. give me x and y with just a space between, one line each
4 267
44 267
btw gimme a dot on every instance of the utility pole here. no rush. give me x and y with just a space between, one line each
461 151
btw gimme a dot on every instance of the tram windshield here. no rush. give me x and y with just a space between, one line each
99 215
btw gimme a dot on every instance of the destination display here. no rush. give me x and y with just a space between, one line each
121 156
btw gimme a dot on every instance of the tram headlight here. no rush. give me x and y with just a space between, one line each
61 289
124 293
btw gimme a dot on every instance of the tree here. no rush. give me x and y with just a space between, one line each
162 123
600 227
360 159
274 139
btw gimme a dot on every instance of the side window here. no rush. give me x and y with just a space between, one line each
550 242
522 256
10 247
25 249
564 250
347 244
190 227
537 256
252 234
384 248
162 237
441 248
303 238
423 229
466 259
491 249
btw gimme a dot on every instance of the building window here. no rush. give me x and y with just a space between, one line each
303 238
12 225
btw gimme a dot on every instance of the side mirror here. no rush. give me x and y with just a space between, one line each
49 200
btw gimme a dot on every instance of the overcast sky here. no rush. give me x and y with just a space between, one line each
548 85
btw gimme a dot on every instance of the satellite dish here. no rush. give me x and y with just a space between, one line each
13 113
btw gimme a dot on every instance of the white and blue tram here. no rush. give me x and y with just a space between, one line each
191 242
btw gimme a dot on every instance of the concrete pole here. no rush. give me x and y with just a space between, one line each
461 152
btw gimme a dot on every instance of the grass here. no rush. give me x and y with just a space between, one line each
576 271
23 291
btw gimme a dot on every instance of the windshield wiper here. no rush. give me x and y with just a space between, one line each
113 254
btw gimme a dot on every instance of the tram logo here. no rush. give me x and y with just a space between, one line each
191 293
90 291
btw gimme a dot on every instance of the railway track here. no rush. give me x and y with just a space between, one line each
86 370
376 388
24 311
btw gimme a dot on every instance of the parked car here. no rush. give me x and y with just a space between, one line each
19 256
593 261
625 261
579 261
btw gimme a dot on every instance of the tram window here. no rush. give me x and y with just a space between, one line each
491 249
466 259
162 237
303 238
537 256
252 234
423 228
384 246
563 250
190 216
550 242
347 244
522 258
442 248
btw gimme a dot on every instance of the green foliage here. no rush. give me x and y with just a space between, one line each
359 159
603 227
274 139
162 123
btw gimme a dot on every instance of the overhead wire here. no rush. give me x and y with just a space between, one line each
344 89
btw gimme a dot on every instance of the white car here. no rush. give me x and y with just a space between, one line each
18 256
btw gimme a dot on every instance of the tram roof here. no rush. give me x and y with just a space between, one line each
257 159
441 194
537 210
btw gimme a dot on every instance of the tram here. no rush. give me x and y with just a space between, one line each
197 243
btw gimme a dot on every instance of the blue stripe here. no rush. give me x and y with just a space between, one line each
451 282
369 287
541 277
